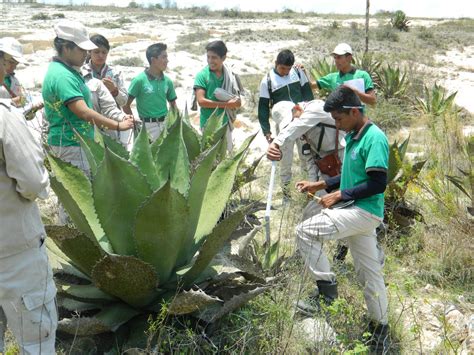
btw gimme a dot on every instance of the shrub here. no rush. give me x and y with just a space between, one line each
58 15
399 21
41 16
386 33
129 61
393 83
231 13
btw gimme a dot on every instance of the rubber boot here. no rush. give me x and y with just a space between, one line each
325 292
341 253
380 340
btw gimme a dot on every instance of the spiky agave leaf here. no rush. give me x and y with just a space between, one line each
142 158
126 277
74 190
213 125
119 189
218 191
86 293
191 301
192 141
172 162
93 150
160 230
82 250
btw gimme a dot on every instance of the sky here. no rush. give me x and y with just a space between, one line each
412 8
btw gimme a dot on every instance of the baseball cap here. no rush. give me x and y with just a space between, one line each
12 47
281 113
75 32
342 48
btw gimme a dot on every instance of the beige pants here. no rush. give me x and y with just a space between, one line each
27 304
155 129
357 228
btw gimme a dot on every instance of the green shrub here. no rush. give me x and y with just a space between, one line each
58 15
393 83
386 33
41 16
399 21
129 61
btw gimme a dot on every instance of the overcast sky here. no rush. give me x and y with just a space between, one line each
413 8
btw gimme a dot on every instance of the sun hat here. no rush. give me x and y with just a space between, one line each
12 47
75 32
342 48
282 113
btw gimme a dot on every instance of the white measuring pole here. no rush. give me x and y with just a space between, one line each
269 203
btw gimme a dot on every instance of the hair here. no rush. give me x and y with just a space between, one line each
60 44
217 47
285 57
342 96
154 51
100 41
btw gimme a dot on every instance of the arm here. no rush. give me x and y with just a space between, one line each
24 162
107 104
299 126
206 103
126 108
368 97
80 109
306 90
264 116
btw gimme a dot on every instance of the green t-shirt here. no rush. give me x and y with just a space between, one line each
208 80
152 95
8 81
61 86
365 151
333 80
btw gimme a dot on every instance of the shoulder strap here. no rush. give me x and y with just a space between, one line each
269 87
321 136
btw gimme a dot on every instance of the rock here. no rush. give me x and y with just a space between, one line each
317 331
456 324
428 288
468 344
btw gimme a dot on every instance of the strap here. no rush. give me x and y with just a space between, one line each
10 92
321 136
337 141
269 87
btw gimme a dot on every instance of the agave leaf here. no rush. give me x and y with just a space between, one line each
60 263
114 146
76 306
271 255
218 191
172 162
119 189
126 277
109 319
394 162
82 250
213 244
239 245
192 141
93 150
160 230
248 175
197 190
402 148
142 158
217 311
85 293
458 182
74 191
213 125
191 301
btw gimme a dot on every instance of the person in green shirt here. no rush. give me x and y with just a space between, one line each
67 99
214 76
363 180
153 91
347 74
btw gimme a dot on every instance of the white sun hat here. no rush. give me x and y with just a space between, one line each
282 113
12 47
342 48
75 32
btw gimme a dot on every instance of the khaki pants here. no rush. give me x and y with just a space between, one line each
357 228
155 129
27 302
286 162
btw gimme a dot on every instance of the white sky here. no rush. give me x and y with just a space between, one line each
413 8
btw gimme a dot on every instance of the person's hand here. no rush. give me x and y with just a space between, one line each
268 137
310 186
273 152
18 101
109 84
233 103
127 123
298 66
330 199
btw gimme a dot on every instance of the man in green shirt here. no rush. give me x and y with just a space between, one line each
153 91
359 80
214 76
363 180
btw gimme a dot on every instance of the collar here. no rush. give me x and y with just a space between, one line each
358 135
152 77
352 71
276 73
72 69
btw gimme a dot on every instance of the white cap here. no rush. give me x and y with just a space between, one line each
75 32
342 48
282 113
11 46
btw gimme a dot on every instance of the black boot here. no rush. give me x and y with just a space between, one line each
380 338
325 292
341 253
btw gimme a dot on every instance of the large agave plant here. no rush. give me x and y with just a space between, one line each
392 82
436 101
148 226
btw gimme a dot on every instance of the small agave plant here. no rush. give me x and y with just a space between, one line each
148 227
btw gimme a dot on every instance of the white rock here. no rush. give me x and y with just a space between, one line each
317 330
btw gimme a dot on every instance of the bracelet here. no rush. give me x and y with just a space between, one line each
118 126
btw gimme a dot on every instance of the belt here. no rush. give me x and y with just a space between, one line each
154 119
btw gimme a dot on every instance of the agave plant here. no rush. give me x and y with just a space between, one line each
148 227
399 21
320 68
436 101
369 63
392 82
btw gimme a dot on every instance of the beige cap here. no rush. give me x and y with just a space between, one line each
282 113
342 48
75 32
11 46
